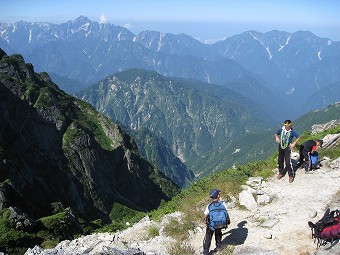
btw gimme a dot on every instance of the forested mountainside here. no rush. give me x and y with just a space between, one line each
277 70
57 152
194 119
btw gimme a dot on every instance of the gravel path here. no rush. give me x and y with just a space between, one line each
293 205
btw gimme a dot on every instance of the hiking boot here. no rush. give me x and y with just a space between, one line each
280 176
291 179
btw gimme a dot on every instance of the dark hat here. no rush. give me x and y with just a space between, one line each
287 123
320 141
214 193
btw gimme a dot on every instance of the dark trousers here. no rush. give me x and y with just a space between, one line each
284 157
207 239
304 156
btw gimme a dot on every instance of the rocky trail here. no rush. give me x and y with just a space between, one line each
280 227
277 227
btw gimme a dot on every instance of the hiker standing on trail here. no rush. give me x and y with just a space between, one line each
219 209
284 137
306 150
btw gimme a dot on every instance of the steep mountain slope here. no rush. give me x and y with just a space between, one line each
194 118
319 98
156 150
57 149
320 116
317 77
68 85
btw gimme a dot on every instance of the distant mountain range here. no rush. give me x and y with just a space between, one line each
278 70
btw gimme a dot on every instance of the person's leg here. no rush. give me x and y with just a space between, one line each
218 238
301 156
207 240
307 161
289 165
280 161
305 155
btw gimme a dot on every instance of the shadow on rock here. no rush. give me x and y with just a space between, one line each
236 236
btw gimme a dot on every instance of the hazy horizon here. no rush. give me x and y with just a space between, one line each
206 20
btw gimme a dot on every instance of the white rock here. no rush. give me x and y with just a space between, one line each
269 223
263 199
268 235
247 199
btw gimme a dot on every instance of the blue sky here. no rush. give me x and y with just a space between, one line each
206 20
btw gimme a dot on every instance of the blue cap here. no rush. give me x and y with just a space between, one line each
214 193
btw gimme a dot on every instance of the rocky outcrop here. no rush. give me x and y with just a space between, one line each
331 140
132 241
21 220
317 128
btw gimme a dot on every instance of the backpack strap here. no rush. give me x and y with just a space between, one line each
218 203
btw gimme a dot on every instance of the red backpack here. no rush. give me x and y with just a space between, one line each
327 229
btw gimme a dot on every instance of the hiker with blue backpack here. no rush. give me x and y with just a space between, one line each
284 137
308 154
216 218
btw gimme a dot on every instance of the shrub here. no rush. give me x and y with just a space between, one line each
120 212
153 231
61 225
180 248
177 230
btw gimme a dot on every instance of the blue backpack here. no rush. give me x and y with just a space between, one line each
314 158
218 216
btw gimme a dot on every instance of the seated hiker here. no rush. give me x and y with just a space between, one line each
216 218
307 149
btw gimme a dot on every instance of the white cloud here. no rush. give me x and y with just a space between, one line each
102 19
209 40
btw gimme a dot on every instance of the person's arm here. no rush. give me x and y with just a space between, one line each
314 148
277 138
205 218
206 214
225 205
292 145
